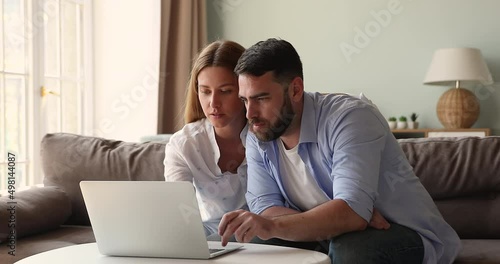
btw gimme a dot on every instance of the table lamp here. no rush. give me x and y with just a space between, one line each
458 107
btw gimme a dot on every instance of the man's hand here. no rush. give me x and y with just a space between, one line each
245 226
378 221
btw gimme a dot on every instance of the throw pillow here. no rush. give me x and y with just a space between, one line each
33 211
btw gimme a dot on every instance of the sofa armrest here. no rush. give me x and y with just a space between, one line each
33 211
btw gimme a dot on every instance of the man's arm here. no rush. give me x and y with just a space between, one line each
377 221
277 211
288 224
262 189
325 221
322 222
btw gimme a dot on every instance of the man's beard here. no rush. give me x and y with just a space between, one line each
278 128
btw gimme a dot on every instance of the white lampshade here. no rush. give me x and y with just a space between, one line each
458 64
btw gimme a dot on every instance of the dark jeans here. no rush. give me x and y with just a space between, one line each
398 244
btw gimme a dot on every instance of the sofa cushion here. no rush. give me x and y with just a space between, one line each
479 251
68 159
473 216
453 167
35 210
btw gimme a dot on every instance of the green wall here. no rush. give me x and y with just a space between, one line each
379 47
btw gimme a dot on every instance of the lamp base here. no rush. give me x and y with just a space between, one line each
458 108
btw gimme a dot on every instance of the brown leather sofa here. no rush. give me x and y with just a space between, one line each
461 174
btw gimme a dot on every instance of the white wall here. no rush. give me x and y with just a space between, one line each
390 63
126 63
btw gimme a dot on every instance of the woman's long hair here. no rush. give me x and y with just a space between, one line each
222 53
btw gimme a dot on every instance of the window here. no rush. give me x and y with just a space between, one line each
44 78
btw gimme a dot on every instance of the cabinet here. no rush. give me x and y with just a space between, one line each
430 132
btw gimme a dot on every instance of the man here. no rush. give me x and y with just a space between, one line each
318 165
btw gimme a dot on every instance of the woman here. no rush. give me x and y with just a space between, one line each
209 150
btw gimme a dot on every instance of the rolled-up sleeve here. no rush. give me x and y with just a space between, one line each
359 139
262 190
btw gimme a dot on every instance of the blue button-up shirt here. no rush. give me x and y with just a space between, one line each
350 151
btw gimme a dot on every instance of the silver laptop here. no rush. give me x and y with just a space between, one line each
148 219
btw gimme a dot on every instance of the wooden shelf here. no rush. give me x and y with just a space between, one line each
441 132
418 130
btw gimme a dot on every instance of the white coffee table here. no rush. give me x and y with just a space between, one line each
250 253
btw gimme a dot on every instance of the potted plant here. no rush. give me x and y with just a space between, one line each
413 124
401 122
392 122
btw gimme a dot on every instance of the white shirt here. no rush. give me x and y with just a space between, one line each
192 155
302 188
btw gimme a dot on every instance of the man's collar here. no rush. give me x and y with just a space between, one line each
308 125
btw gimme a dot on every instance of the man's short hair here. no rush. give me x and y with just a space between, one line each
275 55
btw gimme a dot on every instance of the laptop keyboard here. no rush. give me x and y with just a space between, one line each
214 250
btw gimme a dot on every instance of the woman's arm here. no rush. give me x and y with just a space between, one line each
175 164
